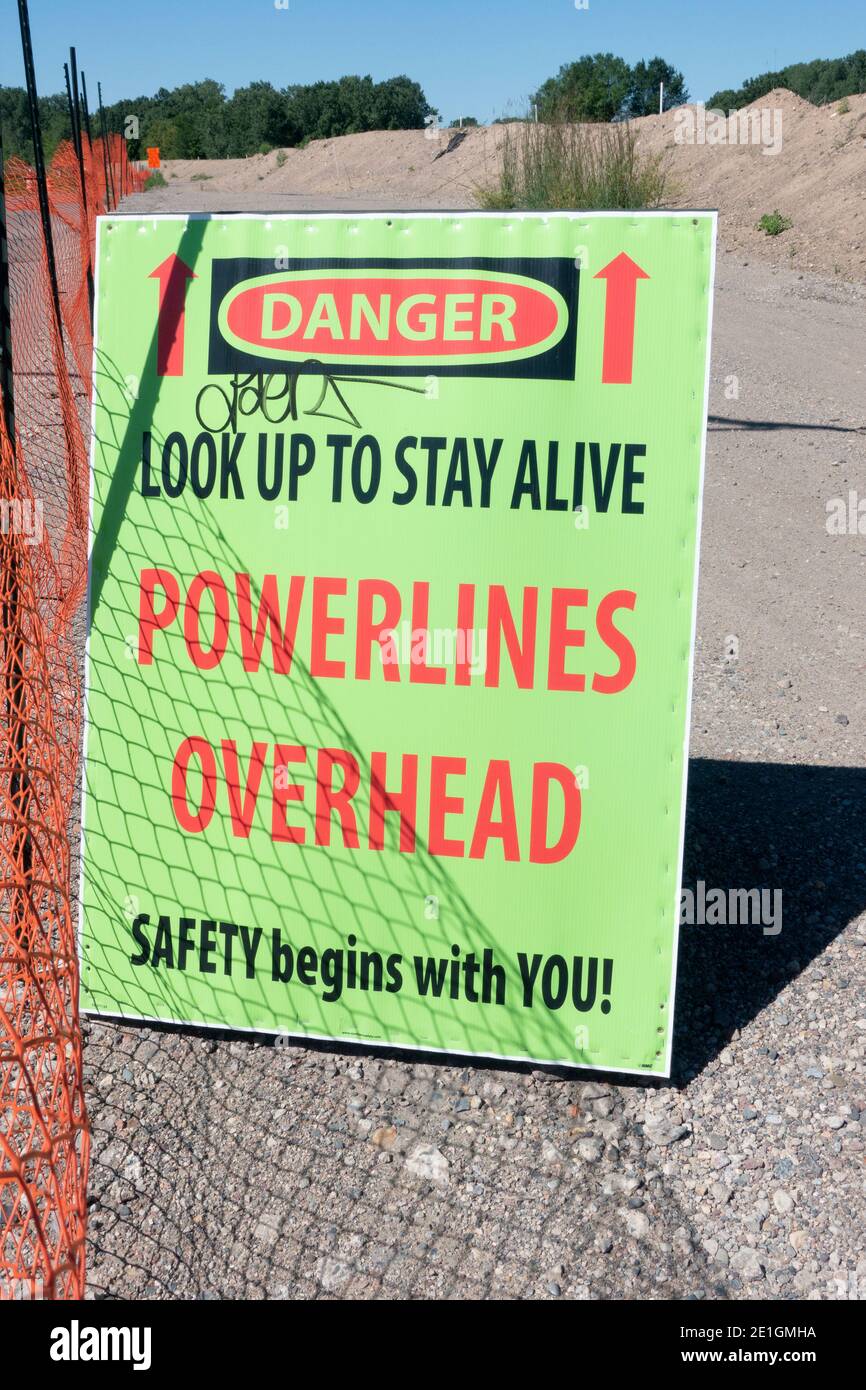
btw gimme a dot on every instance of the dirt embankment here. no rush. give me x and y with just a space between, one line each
811 166
808 162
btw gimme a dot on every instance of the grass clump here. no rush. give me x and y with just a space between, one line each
200 178
155 180
773 223
557 164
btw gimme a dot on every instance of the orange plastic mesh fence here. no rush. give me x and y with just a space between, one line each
44 1143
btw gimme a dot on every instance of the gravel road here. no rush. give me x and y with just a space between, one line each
228 1168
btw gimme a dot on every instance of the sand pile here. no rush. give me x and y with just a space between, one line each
808 162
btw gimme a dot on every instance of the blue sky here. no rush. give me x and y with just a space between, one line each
472 57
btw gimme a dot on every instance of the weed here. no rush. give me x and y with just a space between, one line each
556 164
155 180
773 223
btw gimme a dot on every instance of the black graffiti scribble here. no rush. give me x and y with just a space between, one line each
279 397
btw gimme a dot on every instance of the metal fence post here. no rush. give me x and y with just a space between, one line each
38 159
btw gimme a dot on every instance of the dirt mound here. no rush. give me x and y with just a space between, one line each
790 102
809 162
398 164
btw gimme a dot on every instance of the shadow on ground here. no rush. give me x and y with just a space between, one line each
801 829
728 422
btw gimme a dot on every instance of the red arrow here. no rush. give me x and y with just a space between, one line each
622 275
172 276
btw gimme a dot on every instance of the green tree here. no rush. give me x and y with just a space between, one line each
399 104
723 101
15 121
595 88
821 80
198 112
162 134
257 115
197 121
643 93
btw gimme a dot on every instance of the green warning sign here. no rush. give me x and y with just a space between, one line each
392 594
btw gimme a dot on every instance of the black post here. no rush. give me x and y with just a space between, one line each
38 158
73 73
109 174
108 199
121 172
76 117
86 109
71 109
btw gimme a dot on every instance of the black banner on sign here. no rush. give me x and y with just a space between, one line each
395 317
